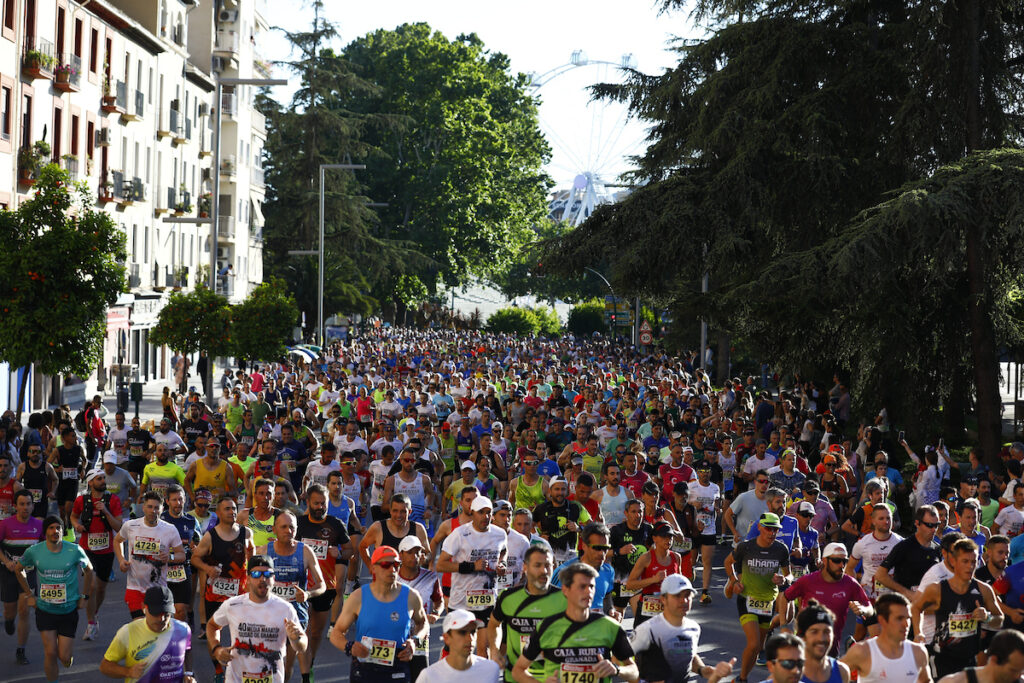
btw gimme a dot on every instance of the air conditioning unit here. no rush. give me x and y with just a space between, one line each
229 4
227 16
223 253
103 137
217 64
138 190
204 109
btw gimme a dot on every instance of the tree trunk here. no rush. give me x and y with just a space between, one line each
954 409
983 341
722 363
21 392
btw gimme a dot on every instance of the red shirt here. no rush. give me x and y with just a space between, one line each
99 537
590 506
670 475
635 482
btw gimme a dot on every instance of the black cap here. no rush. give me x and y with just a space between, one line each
810 485
158 600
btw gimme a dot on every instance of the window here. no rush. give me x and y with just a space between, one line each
94 51
150 95
145 244
9 14
135 243
78 38
61 15
75 123
90 141
58 137
5 113
26 121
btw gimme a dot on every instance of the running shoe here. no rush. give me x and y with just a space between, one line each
19 655
92 629
705 598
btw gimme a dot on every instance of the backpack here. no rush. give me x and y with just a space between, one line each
80 421
87 509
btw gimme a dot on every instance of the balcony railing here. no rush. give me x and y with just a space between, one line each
70 164
257 177
226 227
121 95
229 104
134 276
172 197
259 123
68 75
227 166
37 58
226 43
175 122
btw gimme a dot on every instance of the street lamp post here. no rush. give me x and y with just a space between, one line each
320 300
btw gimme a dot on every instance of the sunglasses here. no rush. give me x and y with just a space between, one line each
930 525
530 463
830 464
261 573
388 564
807 515
202 505
790 664
350 463
838 560
603 548
762 481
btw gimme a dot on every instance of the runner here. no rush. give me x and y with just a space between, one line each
650 570
17 534
1004 662
741 516
461 665
152 543
39 478
666 646
707 501
428 584
179 570
629 540
559 520
260 518
579 644
991 571
960 604
517 546
530 489
416 486
520 611
259 625
815 625
475 553
70 462
389 623
57 597
763 565
596 547
393 529
211 472
97 518
162 473
889 657
912 557
154 649
297 578
785 658
870 551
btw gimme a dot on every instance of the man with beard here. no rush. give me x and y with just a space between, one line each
97 517
192 427
168 437
139 442
816 625
559 520
629 541
831 587
327 537
995 555
666 646
152 543
161 474
519 611
260 624
39 478
70 461
17 534
428 585
179 574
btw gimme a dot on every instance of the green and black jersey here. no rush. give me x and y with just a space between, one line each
571 648
757 565
520 614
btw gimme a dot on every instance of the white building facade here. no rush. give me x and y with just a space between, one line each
123 92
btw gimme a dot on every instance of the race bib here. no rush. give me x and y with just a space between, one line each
53 593
289 465
762 608
284 590
577 673
422 649
146 546
682 545
479 600
502 581
224 586
37 495
68 473
798 570
707 521
382 652
318 546
98 541
136 451
257 678
652 606
962 625
625 592
176 573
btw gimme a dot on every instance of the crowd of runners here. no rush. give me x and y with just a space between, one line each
551 503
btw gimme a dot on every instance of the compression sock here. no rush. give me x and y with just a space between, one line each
9 626
307 678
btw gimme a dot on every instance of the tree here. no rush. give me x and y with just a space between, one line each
586 318
194 321
548 323
770 138
512 320
63 265
261 324
459 160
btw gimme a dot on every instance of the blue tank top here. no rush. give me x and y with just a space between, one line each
290 569
835 677
384 620
342 511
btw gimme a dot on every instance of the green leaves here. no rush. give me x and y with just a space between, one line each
194 321
261 324
63 264
515 320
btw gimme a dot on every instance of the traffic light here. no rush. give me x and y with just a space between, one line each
613 320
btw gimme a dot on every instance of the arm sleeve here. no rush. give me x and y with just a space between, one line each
621 649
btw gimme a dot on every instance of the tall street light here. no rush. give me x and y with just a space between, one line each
320 299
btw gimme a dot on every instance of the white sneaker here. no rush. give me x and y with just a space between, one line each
91 631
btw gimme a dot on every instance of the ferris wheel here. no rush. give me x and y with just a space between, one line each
590 140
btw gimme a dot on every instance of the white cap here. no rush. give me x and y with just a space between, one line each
805 506
409 543
496 426
481 503
110 456
92 474
468 465
676 583
458 619
833 549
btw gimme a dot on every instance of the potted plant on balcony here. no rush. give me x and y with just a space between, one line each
109 99
106 190
184 204
64 73
30 160
205 204
180 278
36 62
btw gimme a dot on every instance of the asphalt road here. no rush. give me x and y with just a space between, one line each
721 639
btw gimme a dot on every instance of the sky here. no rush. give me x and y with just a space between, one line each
538 36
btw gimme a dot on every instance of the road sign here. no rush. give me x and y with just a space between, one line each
646 336
645 326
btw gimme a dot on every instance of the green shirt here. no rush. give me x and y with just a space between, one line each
56 575
159 477
259 411
571 646
758 565
520 614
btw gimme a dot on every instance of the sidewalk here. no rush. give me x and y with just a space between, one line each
149 407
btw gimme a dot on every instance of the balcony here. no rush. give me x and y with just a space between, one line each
70 164
227 167
138 106
263 67
259 123
106 189
134 275
206 138
257 177
37 58
116 102
68 75
226 227
188 129
226 44
184 204
229 105
176 126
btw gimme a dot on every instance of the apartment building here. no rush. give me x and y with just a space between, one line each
122 94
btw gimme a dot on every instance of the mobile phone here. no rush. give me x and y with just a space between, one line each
941 443
901 439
